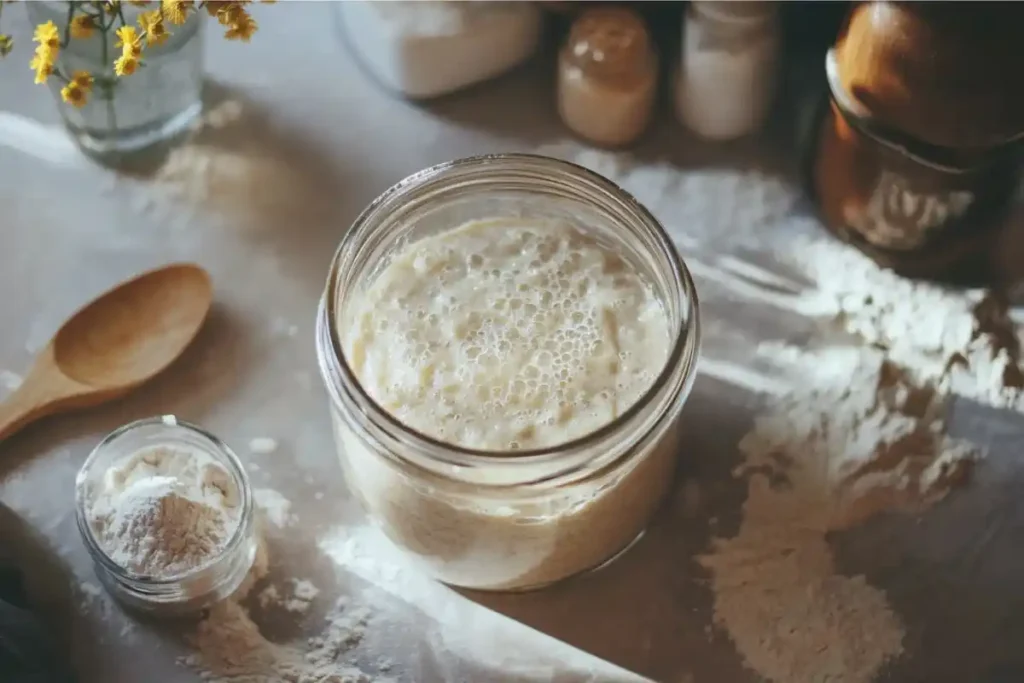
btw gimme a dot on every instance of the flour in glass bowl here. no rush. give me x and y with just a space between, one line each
164 511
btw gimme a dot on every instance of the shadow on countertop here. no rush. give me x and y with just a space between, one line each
35 602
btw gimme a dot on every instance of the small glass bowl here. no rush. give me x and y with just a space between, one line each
192 590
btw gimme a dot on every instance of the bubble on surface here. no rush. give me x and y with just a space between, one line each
505 335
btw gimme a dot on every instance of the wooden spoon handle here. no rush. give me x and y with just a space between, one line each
21 408
45 391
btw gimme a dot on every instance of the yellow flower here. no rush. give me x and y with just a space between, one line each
213 7
112 6
242 28
84 80
47 35
6 44
125 65
83 26
175 10
74 95
129 42
152 24
42 62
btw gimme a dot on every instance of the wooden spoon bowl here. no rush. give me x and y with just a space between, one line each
113 344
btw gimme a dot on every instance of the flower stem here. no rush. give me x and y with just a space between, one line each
108 90
67 24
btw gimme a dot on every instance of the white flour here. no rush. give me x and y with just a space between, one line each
164 511
298 600
262 445
231 647
857 427
275 507
962 340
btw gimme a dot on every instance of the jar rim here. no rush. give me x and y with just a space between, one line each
233 465
682 358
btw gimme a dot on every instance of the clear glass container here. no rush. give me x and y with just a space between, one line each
607 76
509 521
129 114
727 76
192 590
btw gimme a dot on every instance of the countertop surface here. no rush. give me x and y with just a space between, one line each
316 140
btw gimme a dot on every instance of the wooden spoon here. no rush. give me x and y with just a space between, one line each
114 344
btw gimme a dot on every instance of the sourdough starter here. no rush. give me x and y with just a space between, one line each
504 335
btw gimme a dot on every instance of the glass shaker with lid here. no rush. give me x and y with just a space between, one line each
607 76
727 74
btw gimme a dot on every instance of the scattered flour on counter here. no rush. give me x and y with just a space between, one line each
860 436
262 445
229 646
301 595
858 428
163 511
964 341
275 507
231 649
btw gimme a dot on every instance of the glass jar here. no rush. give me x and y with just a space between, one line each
916 151
728 71
607 76
508 521
192 590
128 114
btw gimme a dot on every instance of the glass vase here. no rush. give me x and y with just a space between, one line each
133 113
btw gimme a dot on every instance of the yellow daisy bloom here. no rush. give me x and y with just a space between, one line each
42 63
83 79
227 13
47 35
176 11
125 65
129 42
213 7
83 26
153 27
74 95
242 29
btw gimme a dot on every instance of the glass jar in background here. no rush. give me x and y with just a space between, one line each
524 519
917 149
607 76
125 115
728 70
193 590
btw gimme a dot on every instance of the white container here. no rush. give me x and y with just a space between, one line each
428 48
728 72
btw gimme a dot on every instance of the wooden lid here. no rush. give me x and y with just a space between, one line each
948 74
